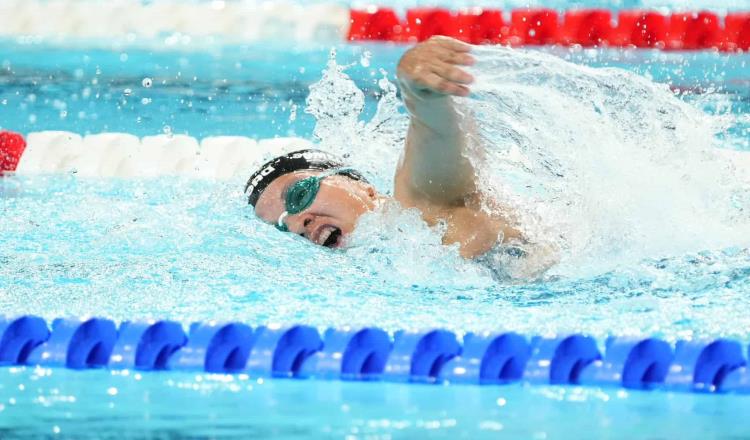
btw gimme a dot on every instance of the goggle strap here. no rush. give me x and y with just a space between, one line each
280 223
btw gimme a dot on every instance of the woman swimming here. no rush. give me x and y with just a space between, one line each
311 193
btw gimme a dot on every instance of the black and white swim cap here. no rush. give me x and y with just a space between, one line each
295 161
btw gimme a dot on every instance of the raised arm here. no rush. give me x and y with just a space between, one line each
433 168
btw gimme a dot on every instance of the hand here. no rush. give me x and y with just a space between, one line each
434 66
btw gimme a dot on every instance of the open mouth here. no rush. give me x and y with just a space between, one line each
330 236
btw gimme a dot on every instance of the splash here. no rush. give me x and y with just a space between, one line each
372 146
394 244
399 247
602 165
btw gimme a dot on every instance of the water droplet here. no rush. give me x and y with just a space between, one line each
147 82
364 60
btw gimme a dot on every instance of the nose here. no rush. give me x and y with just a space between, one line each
301 224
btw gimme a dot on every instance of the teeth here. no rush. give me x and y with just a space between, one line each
325 234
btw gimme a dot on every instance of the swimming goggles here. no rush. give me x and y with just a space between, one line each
302 194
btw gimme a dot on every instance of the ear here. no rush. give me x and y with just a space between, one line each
371 193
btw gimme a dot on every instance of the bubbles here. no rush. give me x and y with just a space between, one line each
364 60
127 92
398 246
336 103
147 82
372 146
606 164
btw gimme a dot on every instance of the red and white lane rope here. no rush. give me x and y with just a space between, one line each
585 27
125 155
176 22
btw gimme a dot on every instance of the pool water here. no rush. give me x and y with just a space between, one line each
191 250
99 404
250 90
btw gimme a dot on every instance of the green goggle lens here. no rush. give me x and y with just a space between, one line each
301 195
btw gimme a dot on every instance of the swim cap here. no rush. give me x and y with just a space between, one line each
294 161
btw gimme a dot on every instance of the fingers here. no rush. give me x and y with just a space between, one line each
462 59
452 73
451 43
436 64
443 85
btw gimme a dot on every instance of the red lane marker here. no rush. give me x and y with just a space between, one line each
643 29
468 25
489 28
534 27
381 25
736 32
423 23
12 146
476 26
587 27
692 31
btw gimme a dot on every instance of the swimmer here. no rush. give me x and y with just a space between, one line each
312 194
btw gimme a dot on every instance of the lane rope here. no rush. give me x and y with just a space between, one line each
539 26
371 354
179 23
125 155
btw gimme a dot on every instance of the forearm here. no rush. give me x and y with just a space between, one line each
429 108
434 161
434 168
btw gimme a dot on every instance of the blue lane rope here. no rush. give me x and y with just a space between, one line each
370 353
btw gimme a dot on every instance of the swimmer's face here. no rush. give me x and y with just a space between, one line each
332 216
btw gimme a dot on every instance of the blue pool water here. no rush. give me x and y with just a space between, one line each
191 250
69 404
248 90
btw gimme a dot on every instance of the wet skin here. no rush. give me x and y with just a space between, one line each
433 174
333 214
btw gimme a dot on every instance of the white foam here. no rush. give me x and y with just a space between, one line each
243 20
602 163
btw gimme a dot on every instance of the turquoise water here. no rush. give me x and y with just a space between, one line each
69 404
249 90
191 250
